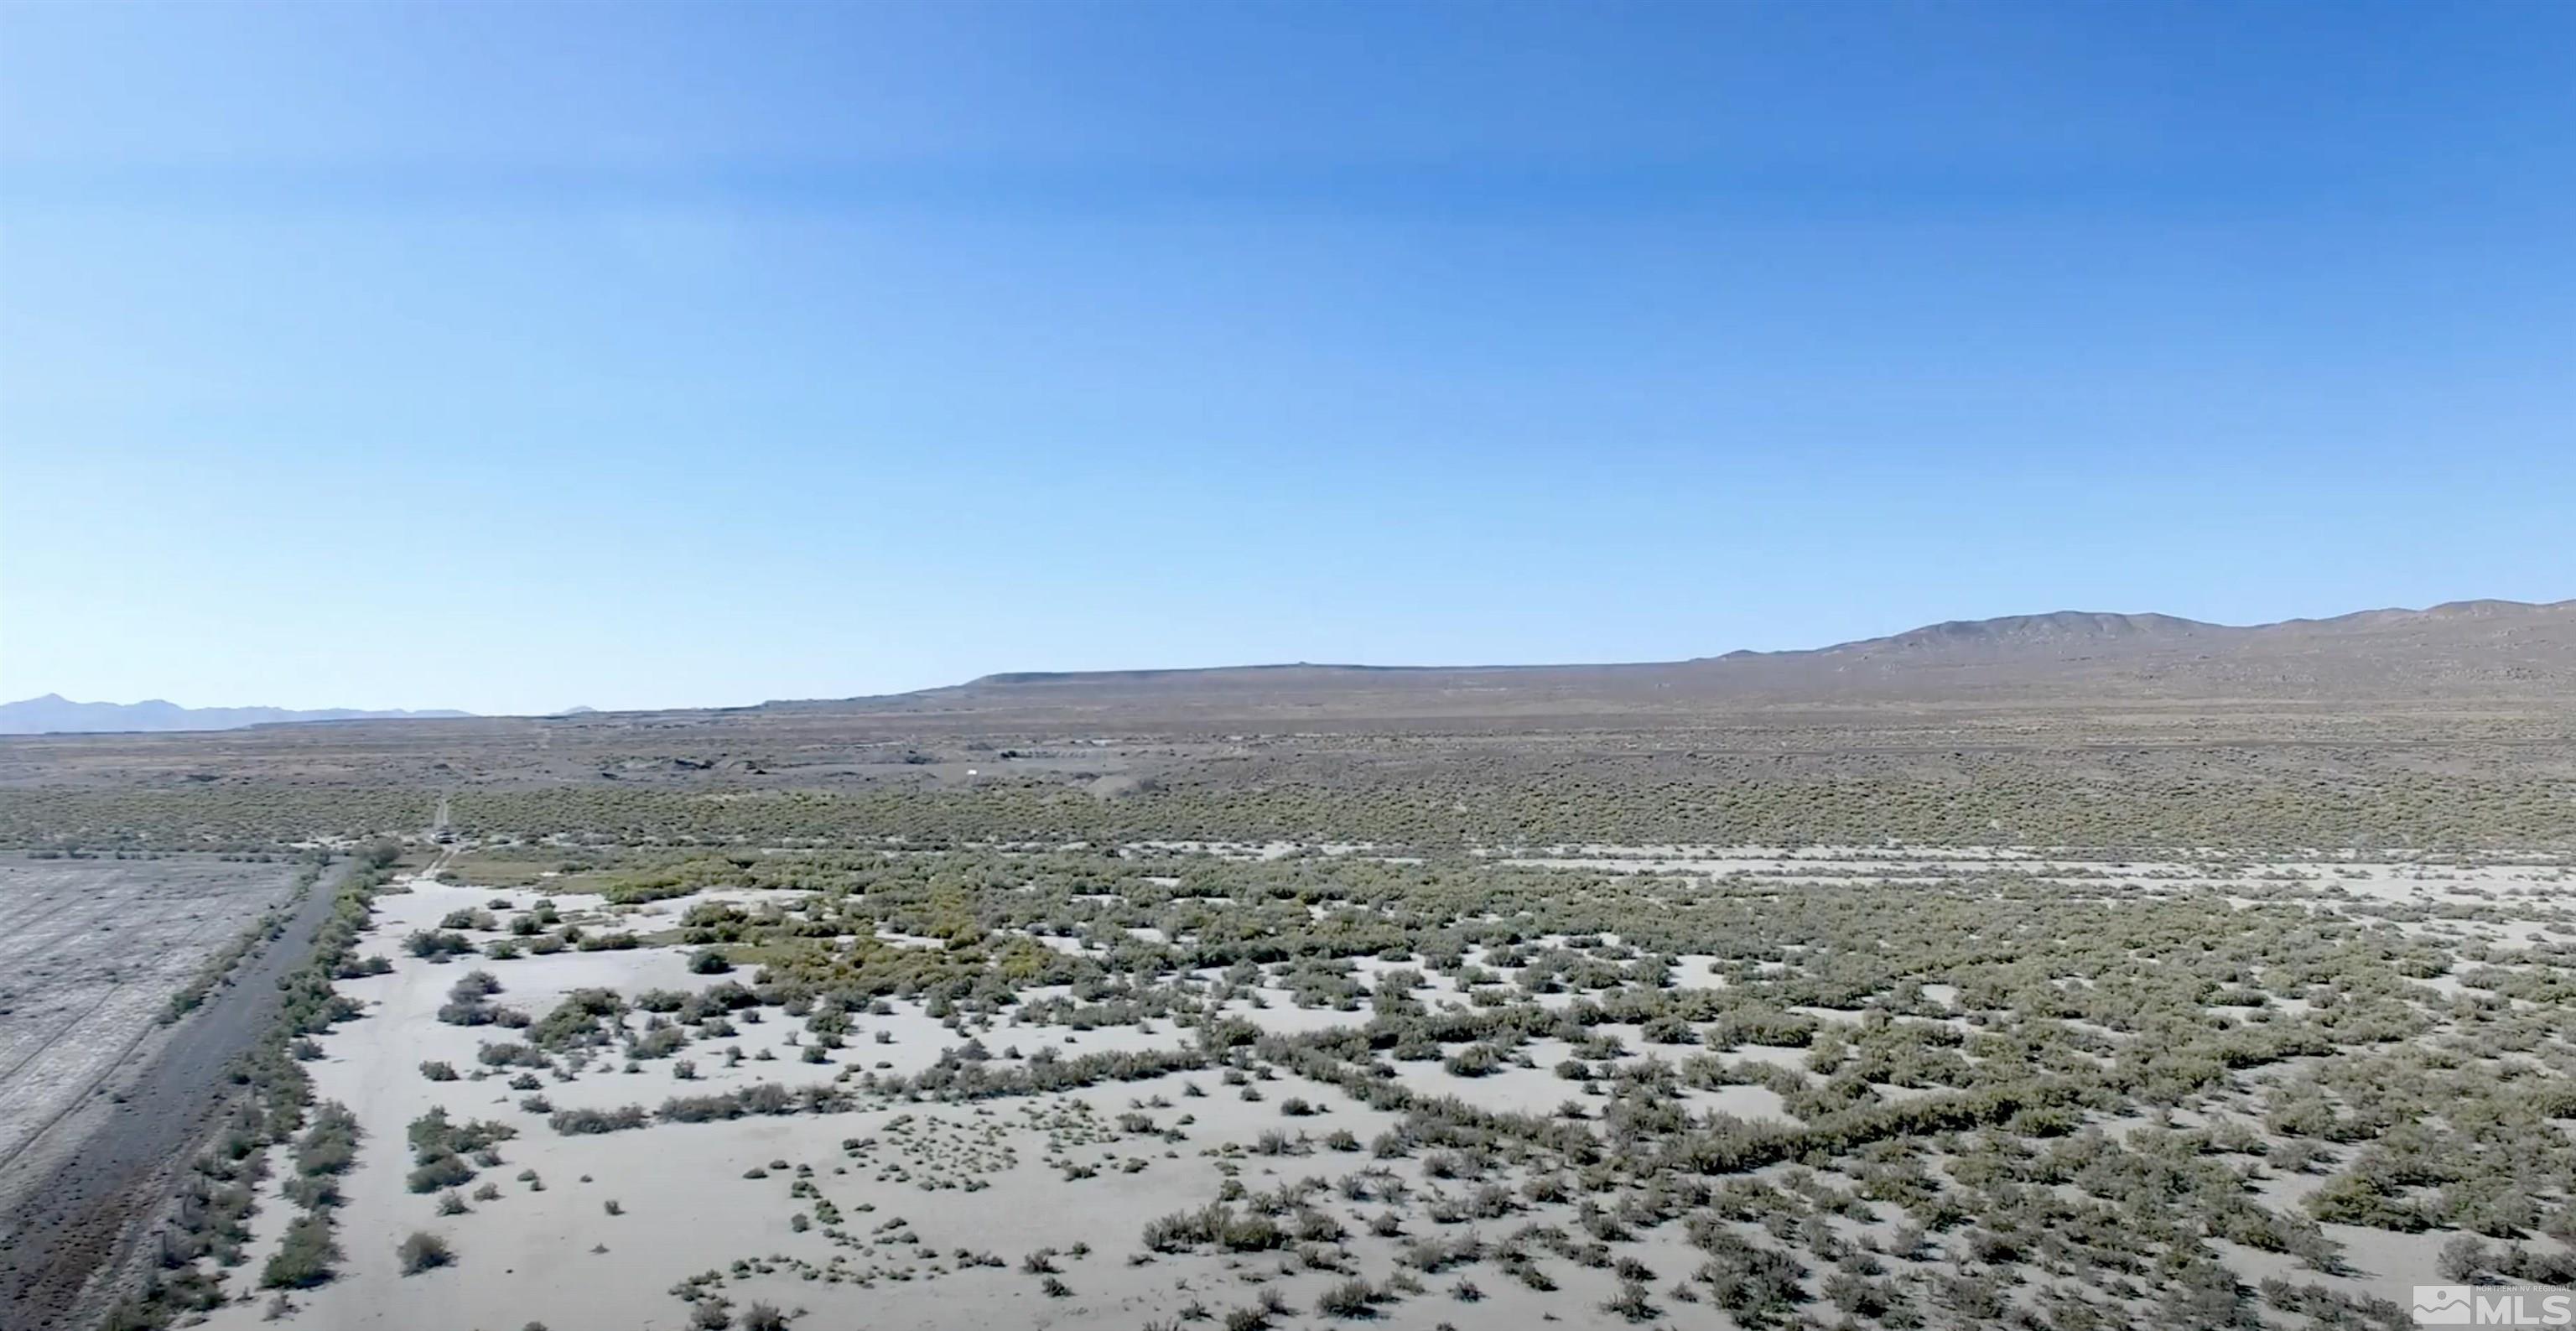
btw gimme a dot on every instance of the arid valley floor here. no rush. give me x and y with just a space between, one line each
1511 1106
2090 988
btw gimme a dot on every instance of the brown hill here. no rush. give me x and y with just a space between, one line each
2466 650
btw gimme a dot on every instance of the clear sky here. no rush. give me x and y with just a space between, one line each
513 356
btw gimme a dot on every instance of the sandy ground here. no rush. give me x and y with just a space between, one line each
987 1179
529 1254
920 1215
2387 880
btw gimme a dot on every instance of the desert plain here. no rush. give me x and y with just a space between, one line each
2057 974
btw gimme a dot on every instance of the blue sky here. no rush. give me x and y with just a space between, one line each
508 357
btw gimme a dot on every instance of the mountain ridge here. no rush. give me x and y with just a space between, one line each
2059 627
54 714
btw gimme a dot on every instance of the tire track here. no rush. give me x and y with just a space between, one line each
23 948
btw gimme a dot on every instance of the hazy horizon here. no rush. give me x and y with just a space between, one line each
425 708
506 358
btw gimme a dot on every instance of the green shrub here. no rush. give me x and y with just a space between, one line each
422 1251
303 1257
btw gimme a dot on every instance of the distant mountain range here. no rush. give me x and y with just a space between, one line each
2464 651
54 714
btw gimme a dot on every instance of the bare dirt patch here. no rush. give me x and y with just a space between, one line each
91 952
124 1098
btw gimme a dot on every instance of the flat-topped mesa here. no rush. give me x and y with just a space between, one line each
2462 650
